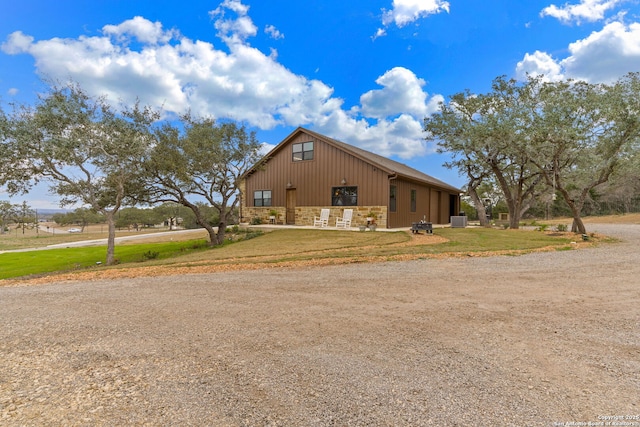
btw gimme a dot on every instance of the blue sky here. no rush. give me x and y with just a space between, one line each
362 71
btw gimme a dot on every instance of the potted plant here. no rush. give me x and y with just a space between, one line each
371 220
273 216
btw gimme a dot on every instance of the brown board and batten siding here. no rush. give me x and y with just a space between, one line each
432 204
336 164
403 214
313 179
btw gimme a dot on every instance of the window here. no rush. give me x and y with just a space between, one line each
344 196
262 198
392 198
413 200
303 151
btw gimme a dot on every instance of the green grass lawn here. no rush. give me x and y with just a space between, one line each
280 246
16 264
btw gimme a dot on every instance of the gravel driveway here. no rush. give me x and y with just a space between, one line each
545 339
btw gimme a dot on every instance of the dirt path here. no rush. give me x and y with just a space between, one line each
541 339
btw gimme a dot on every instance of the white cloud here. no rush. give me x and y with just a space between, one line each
604 56
236 29
273 32
381 32
396 111
587 10
402 136
233 5
143 30
13 91
166 69
404 12
539 63
402 93
17 42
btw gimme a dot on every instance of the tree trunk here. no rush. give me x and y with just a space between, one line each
513 204
514 213
214 239
482 213
576 207
578 225
200 220
111 239
222 229
224 213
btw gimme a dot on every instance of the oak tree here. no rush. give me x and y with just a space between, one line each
198 164
583 133
485 136
86 150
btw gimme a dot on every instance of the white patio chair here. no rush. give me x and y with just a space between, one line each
322 220
345 221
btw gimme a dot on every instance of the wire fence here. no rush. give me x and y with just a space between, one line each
559 208
614 207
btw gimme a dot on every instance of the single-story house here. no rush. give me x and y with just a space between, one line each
308 171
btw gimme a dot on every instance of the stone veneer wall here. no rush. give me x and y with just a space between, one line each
305 214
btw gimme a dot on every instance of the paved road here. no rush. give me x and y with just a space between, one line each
99 242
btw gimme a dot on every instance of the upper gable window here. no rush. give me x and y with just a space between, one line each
303 151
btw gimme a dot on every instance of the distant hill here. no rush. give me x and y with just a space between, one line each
48 213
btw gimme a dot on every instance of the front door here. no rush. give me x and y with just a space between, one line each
291 206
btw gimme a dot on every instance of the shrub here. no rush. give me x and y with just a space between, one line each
256 220
151 254
252 234
561 227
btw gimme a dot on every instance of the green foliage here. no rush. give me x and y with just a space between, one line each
469 210
8 213
151 254
561 227
138 218
256 220
25 217
88 152
200 159
80 216
252 234
535 137
485 135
